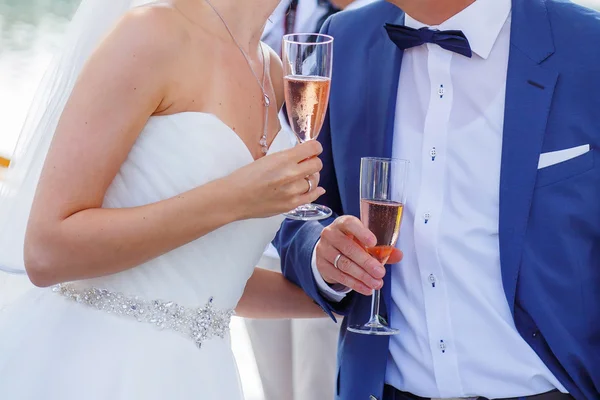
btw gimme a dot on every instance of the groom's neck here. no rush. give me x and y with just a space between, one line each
432 12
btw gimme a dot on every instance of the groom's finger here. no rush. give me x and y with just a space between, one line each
332 274
352 226
348 267
353 251
395 257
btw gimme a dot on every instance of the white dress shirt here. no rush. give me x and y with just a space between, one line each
457 336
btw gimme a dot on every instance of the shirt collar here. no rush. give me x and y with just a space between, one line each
481 22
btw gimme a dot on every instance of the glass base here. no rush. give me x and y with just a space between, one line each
373 328
309 212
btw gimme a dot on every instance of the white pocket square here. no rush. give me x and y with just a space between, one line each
555 157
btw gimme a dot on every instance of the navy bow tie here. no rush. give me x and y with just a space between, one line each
405 38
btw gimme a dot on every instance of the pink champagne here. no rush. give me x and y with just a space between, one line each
383 218
306 98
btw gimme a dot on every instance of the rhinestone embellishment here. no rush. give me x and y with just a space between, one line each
198 324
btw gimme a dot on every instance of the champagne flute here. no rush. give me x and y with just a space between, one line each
383 183
307 61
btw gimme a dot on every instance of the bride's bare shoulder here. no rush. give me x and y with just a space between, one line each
152 31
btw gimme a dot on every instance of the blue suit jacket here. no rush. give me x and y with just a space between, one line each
549 227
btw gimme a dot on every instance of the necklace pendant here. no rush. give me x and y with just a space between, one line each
267 100
263 144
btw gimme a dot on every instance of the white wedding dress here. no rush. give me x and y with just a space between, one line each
79 343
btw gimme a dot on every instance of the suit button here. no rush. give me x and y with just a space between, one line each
371 397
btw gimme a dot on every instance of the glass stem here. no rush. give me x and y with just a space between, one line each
375 308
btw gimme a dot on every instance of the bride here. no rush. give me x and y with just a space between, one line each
159 175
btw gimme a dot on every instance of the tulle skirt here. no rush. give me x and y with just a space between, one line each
53 348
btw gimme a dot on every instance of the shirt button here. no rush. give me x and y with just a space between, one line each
441 91
432 280
442 346
427 217
433 153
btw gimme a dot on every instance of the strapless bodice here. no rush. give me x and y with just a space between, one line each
172 155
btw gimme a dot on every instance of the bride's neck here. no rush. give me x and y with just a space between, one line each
246 19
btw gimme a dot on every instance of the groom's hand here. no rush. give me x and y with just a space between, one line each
356 269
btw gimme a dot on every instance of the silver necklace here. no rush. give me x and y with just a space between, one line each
266 100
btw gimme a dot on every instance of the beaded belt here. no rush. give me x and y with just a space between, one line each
199 324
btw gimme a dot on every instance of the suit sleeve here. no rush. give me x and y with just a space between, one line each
296 240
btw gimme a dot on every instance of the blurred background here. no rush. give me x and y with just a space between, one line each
30 33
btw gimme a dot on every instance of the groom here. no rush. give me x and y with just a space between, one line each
498 294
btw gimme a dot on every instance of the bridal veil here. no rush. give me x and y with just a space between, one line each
92 21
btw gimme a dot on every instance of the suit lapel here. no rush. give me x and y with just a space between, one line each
529 92
371 131
385 60
383 74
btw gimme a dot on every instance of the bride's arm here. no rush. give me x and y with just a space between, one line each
269 295
127 79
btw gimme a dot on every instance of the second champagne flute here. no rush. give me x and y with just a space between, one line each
307 62
383 184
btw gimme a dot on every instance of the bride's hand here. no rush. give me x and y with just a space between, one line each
277 183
